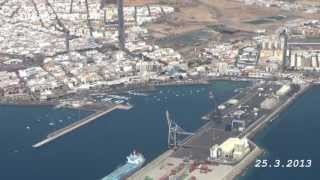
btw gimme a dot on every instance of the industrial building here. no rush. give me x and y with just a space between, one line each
231 150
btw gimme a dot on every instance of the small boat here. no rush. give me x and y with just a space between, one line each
205 117
137 93
58 106
119 101
106 99
119 97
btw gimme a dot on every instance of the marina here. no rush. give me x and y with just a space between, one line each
97 139
191 143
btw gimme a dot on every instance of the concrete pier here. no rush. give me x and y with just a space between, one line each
153 164
255 127
201 142
245 163
68 129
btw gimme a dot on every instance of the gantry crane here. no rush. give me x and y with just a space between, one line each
175 131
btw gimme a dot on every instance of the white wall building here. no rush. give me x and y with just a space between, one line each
232 149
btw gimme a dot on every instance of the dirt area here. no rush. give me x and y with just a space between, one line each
201 13
186 19
235 14
197 23
209 12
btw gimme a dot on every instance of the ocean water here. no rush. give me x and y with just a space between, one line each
294 135
93 151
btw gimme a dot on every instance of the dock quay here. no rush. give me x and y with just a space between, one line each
254 128
68 129
156 162
196 148
243 164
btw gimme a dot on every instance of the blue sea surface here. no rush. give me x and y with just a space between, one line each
294 135
93 151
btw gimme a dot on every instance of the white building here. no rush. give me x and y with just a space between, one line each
232 149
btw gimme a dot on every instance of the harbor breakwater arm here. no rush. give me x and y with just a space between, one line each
68 129
250 132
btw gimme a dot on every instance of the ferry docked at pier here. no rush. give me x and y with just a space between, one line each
134 162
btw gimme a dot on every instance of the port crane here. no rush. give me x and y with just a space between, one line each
175 131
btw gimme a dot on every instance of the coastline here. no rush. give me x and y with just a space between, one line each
118 90
251 133
108 139
260 129
242 168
